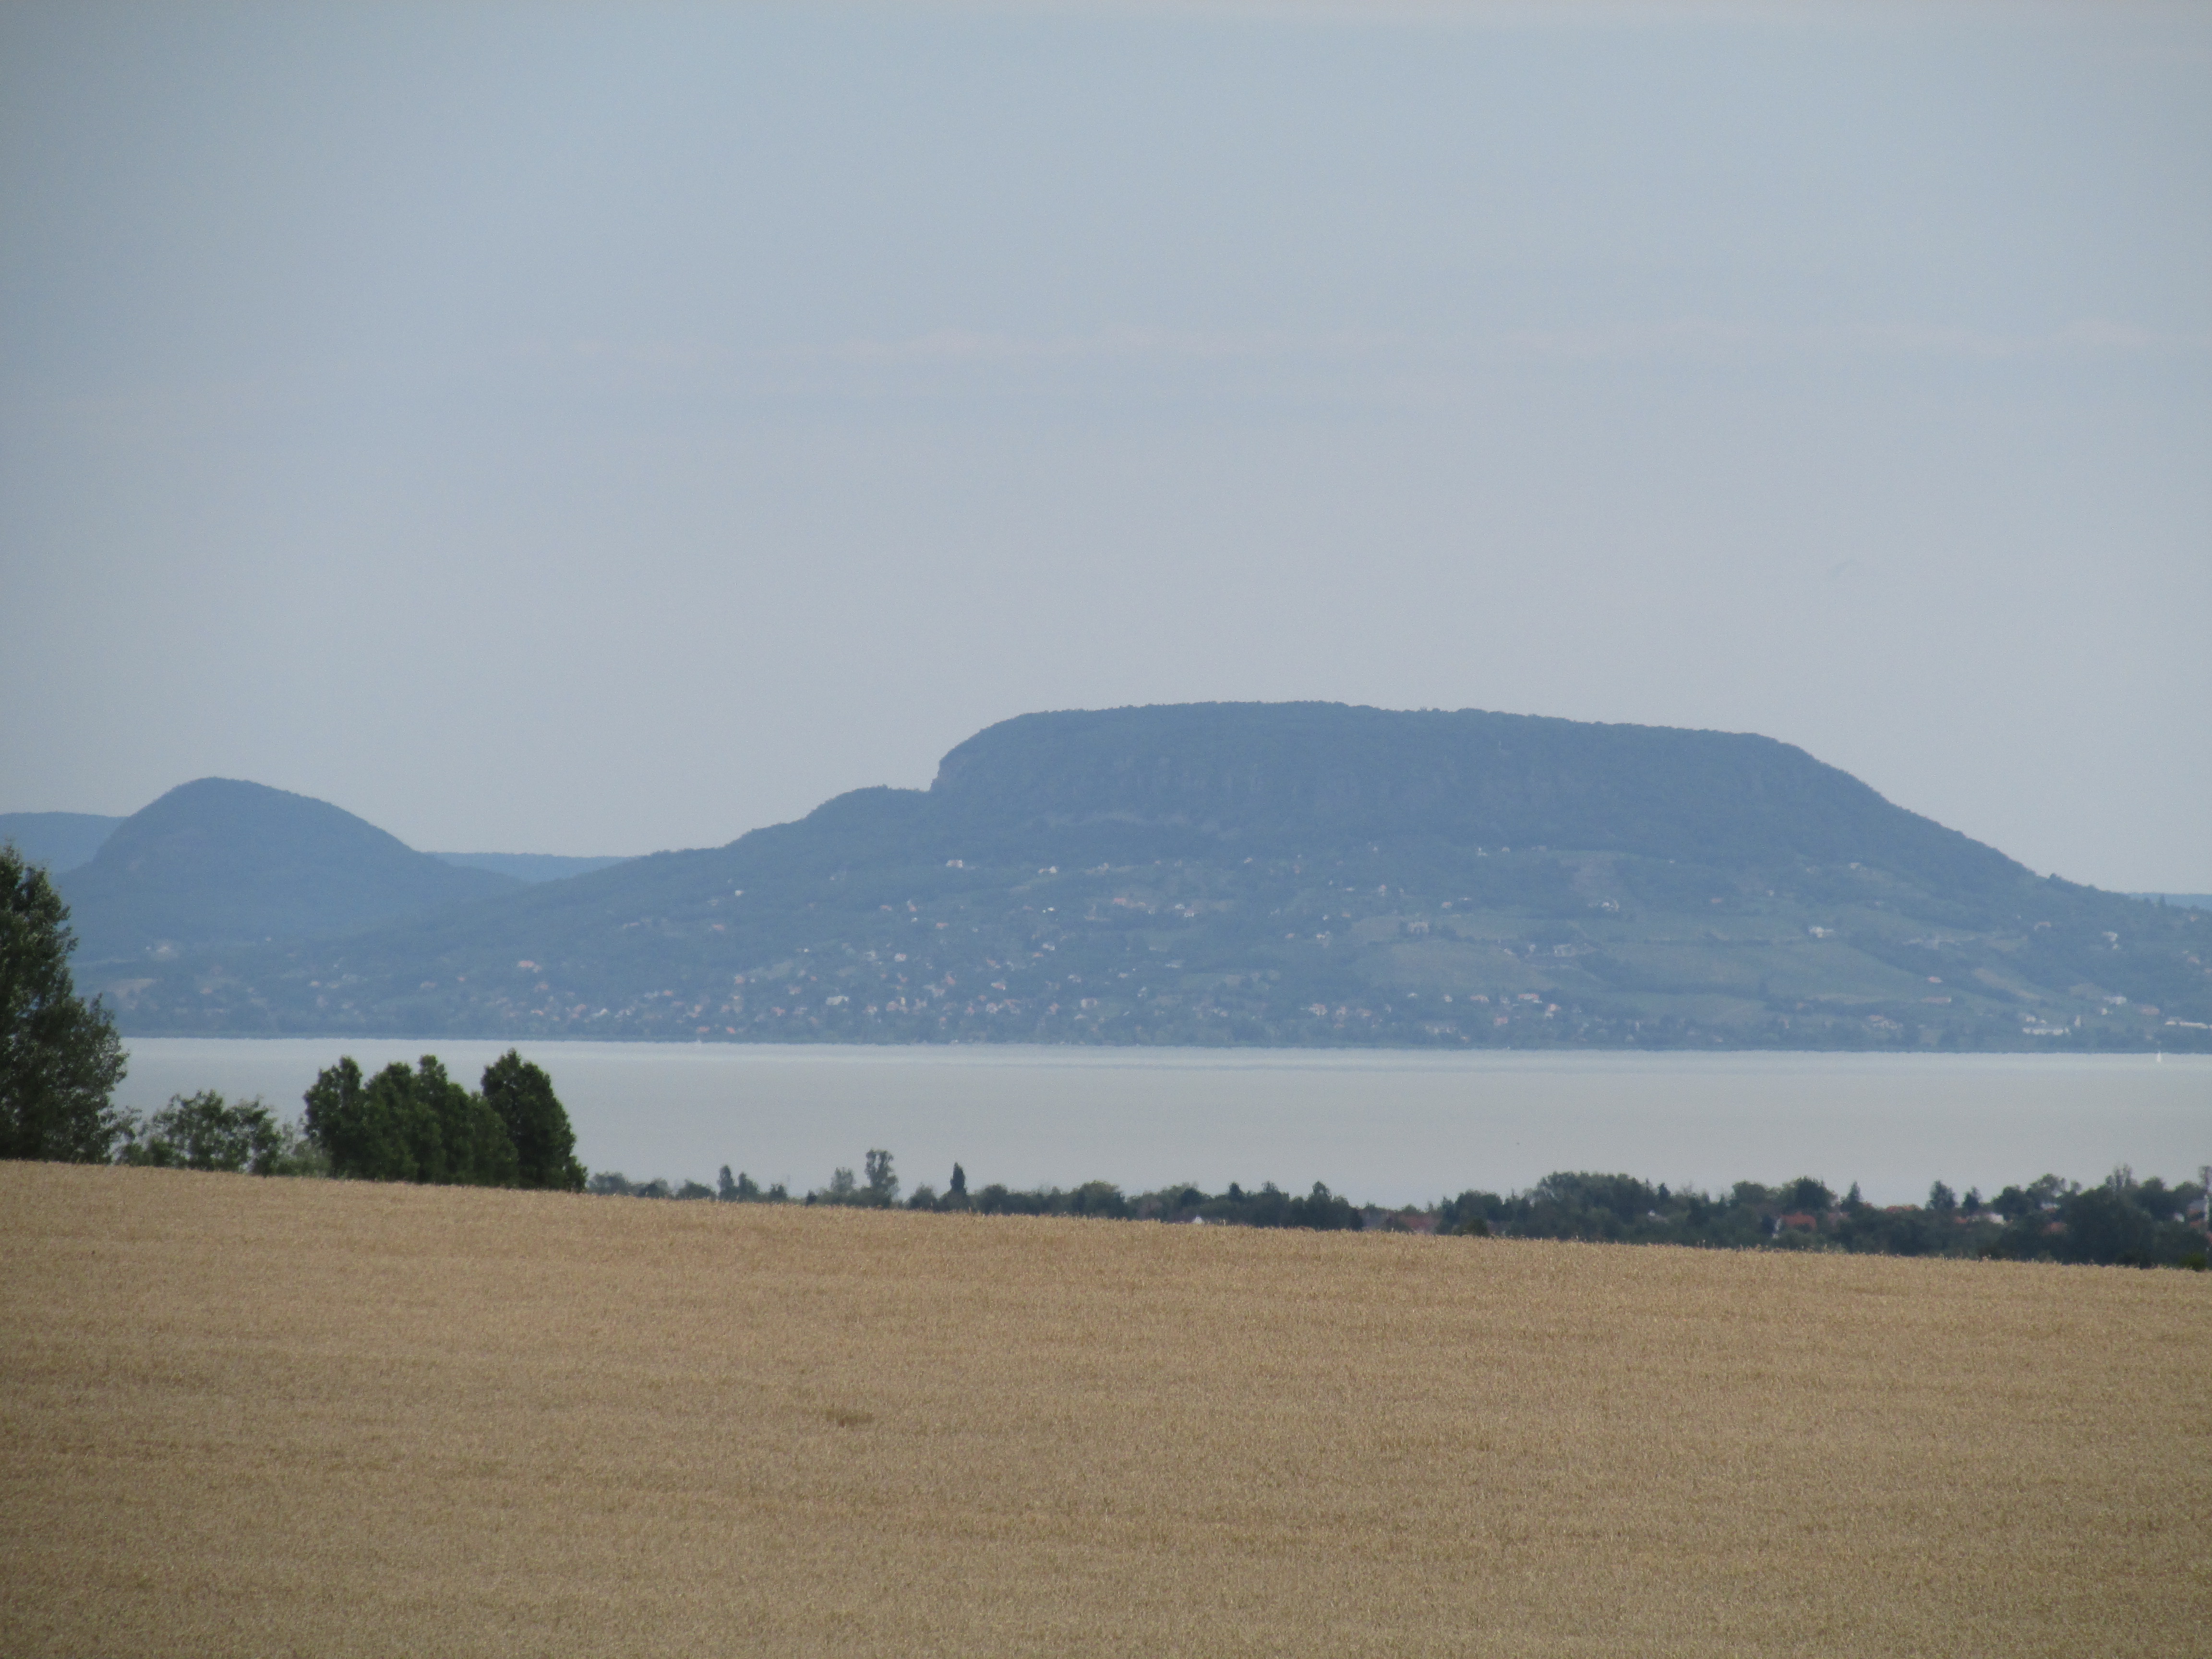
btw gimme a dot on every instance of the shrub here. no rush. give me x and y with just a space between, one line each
205 1131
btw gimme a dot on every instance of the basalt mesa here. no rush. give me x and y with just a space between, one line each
1280 874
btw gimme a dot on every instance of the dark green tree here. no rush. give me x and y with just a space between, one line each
414 1115
407 1124
1805 1193
60 1058
545 1146
2102 1227
883 1185
358 1130
1322 1210
742 1189
420 1105
2013 1203
472 1145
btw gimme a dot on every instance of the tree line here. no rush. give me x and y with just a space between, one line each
2122 1221
877 1188
406 1123
418 1124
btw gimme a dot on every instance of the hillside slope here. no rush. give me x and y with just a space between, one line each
218 861
1303 874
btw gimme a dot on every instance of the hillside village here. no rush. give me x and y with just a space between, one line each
1289 875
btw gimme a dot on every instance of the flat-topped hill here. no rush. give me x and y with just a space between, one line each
1286 874
271 1416
1295 777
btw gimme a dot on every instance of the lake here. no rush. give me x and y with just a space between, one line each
1384 1127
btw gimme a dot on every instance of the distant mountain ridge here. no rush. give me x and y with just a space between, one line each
222 861
60 842
1289 874
530 866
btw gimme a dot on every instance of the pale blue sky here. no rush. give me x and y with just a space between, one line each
594 429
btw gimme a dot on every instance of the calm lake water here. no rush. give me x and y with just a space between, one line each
1386 1127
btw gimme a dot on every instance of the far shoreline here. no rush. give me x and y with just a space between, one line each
1383 1056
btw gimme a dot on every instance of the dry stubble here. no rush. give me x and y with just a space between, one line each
251 1416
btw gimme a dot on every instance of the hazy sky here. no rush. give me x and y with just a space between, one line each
596 428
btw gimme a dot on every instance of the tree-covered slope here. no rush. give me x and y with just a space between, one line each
218 861
1301 874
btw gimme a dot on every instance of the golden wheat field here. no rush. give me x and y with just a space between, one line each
272 1417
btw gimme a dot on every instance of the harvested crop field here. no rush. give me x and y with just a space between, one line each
290 1417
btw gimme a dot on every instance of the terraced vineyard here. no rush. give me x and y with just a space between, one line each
248 1416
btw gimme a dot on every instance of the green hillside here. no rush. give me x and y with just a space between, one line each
1286 874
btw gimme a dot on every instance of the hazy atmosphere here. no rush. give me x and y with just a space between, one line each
595 430
1473 606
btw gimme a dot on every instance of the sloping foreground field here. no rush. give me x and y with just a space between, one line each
291 1417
